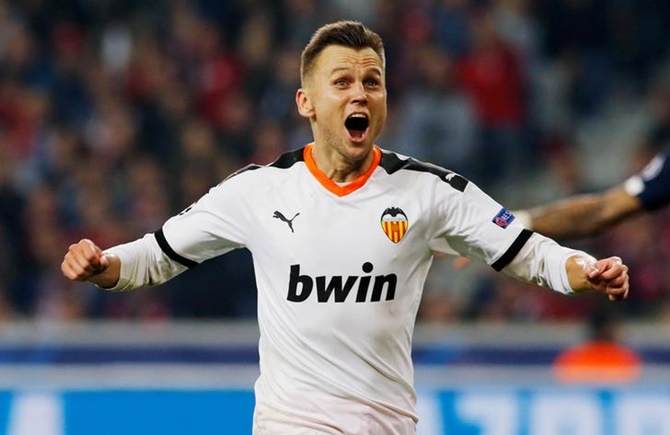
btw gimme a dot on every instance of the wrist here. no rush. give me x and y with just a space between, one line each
108 278
578 268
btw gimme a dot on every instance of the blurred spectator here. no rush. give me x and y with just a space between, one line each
437 121
256 44
218 72
451 26
148 205
269 142
234 123
576 34
15 290
281 87
638 242
301 18
657 135
198 154
492 75
601 358
516 25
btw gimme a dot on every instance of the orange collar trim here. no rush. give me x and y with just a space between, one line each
332 186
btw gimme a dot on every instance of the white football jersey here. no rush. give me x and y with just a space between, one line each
340 271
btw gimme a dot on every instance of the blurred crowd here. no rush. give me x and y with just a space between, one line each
116 114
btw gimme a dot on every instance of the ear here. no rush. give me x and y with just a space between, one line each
305 107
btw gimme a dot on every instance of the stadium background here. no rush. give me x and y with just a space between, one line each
116 114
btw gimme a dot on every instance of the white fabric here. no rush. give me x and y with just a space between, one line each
523 217
143 263
634 185
542 261
337 359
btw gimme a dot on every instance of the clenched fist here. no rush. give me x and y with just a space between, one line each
85 261
608 276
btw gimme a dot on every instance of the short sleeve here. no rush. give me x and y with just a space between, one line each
212 226
475 225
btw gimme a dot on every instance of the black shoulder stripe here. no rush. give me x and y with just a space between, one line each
284 161
509 255
249 167
165 246
391 163
289 159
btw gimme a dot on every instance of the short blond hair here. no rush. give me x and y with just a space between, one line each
350 34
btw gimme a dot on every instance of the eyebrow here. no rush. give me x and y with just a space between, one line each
375 69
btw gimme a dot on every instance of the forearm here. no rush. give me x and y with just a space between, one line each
110 276
542 261
583 215
576 217
141 263
546 263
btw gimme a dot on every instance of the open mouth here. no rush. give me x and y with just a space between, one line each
357 125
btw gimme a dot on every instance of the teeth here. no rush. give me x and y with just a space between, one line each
357 115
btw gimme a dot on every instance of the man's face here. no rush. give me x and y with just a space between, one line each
345 98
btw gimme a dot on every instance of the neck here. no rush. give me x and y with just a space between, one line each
339 167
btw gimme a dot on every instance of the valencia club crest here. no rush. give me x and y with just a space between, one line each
394 223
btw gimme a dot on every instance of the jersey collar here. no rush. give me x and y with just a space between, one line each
332 186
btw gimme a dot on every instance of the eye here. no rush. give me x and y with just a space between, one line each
340 82
371 82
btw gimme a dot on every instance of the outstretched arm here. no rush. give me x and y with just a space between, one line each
136 264
581 215
544 262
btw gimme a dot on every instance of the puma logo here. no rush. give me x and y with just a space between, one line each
281 217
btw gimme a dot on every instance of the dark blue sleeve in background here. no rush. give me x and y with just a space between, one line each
656 179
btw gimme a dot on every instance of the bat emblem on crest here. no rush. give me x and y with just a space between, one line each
394 223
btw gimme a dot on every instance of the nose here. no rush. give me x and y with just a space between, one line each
358 93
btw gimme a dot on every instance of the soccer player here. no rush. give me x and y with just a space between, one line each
589 214
342 235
